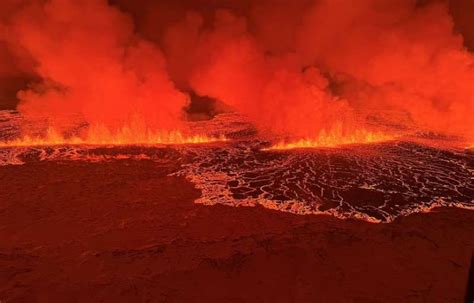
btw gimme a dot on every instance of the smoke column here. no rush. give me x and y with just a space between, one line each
305 66
90 62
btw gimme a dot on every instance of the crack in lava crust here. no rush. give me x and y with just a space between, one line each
375 183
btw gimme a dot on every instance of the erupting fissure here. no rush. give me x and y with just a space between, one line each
294 68
102 136
334 138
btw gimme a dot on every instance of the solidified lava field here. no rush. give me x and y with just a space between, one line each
375 182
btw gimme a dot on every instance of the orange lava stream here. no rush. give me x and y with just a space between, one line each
102 136
333 139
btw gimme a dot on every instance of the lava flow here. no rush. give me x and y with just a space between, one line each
134 133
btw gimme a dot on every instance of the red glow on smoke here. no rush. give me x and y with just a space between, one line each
295 68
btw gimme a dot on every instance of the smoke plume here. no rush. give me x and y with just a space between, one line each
293 67
91 63
310 65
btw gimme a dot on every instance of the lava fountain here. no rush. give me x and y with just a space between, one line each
103 136
335 138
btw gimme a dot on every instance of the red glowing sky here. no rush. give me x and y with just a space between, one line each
293 67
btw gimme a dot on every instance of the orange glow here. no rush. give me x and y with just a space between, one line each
334 138
293 68
102 136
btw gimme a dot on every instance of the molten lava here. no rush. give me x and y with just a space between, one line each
335 138
102 136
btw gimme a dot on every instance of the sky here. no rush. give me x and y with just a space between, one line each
293 67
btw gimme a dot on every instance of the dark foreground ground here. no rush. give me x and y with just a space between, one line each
124 231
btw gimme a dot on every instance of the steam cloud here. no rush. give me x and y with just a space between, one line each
91 63
293 67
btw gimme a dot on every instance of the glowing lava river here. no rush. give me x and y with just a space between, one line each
375 182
